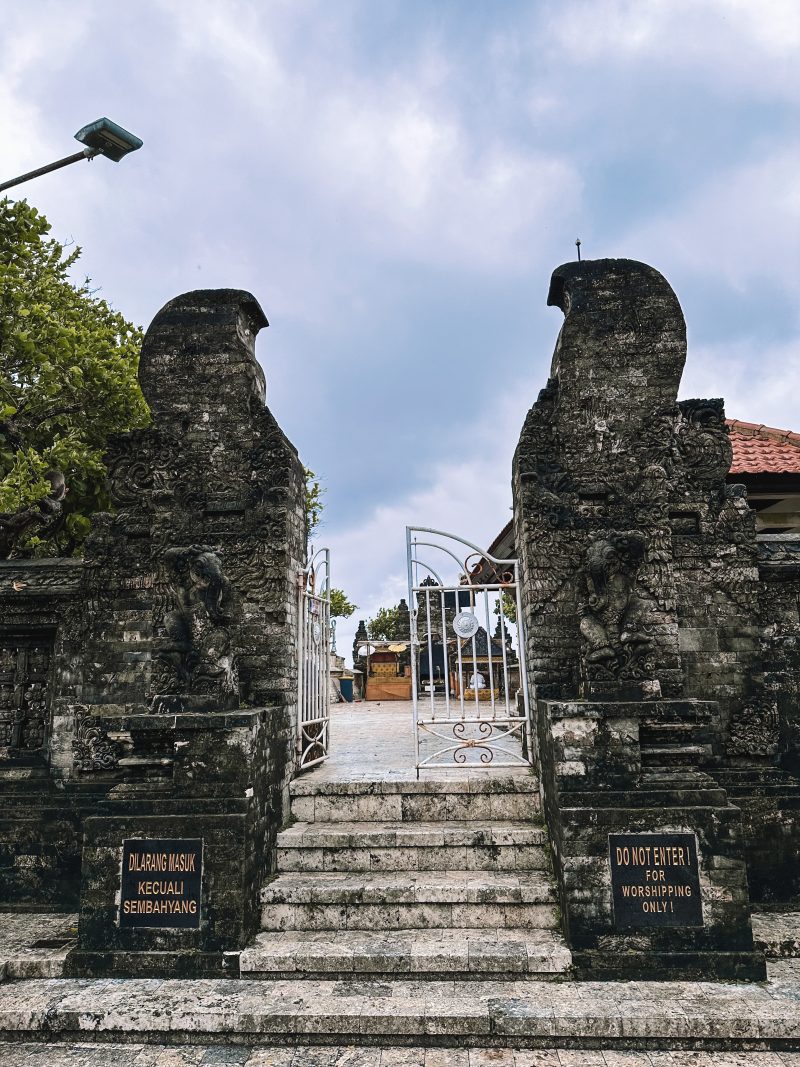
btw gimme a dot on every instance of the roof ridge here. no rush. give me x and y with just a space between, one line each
755 429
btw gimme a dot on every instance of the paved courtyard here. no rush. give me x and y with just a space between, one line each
198 1056
374 740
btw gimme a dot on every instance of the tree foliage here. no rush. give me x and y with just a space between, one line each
314 503
389 624
68 367
341 608
509 607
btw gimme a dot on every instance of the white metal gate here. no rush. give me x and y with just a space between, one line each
469 683
314 662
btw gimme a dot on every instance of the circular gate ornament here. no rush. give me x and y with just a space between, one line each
316 632
466 624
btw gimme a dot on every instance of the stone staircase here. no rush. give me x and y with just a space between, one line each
443 879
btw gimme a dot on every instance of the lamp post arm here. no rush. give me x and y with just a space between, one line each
86 153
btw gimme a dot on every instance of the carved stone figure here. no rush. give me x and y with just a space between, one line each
196 647
614 614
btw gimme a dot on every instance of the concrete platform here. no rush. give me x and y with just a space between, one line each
617 1016
778 933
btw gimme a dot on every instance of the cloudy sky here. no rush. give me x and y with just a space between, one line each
395 181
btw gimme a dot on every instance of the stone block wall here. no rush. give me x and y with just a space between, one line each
598 778
763 748
182 616
774 727
717 586
607 449
640 592
40 654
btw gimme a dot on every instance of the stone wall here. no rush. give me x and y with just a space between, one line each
607 448
773 729
40 655
763 747
173 676
640 585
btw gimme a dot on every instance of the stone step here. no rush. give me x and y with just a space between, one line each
508 798
676 755
533 1014
643 798
674 733
460 953
430 916
12 774
410 887
398 846
777 933
35 944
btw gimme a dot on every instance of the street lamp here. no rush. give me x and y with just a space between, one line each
102 138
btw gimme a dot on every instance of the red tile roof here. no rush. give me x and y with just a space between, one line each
759 449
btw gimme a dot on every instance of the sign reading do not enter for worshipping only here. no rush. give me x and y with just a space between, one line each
655 880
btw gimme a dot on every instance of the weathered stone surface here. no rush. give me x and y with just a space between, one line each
35 945
136 1055
641 602
614 1016
170 700
195 571
778 933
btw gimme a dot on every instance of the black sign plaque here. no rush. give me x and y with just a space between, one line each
161 881
655 880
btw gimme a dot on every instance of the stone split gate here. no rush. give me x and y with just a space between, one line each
149 692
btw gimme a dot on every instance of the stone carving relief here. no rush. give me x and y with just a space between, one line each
755 728
702 440
24 703
596 422
92 749
780 548
195 651
689 440
615 612
131 468
735 522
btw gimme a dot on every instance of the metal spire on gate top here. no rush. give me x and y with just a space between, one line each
578 246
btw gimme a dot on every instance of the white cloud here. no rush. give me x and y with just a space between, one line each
742 226
27 45
759 383
385 155
750 44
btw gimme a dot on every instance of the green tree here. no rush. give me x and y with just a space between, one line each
509 607
68 366
314 503
341 608
389 624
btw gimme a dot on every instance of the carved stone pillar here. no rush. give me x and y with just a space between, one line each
188 692
638 581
